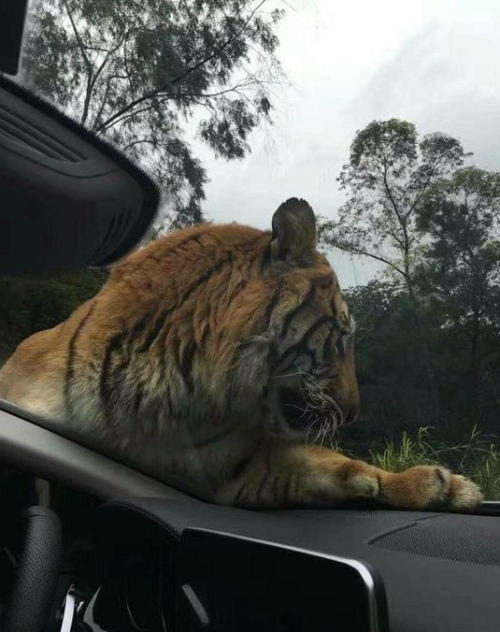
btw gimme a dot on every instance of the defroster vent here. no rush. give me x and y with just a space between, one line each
15 129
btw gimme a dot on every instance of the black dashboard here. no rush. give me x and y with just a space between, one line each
441 572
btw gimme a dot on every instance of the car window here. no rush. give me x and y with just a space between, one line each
385 118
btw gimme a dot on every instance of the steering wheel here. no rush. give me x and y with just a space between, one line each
37 573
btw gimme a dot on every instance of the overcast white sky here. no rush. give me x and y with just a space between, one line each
433 62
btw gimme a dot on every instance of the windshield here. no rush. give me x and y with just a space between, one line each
362 318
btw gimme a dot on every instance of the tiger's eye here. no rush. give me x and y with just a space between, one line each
340 346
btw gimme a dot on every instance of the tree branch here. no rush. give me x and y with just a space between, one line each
221 48
139 142
404 228
191 97
351 249
148 95
87 62
419 197
104 99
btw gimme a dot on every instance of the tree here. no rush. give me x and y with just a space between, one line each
459 273
137 72
387 175
389 171
393 393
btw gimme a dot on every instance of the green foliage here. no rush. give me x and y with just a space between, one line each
138 72
391 367
460 265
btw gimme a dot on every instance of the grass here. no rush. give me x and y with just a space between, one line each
478 458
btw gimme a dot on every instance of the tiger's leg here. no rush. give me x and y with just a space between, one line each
281 475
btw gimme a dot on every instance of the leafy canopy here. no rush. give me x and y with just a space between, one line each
460 267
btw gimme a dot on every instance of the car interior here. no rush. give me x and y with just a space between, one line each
88 543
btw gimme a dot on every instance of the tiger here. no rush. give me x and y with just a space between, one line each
220 358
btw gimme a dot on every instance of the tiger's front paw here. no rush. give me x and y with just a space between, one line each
430 487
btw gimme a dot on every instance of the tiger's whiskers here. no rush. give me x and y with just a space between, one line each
323 406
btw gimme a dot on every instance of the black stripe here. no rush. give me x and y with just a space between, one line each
105 387
241 285
126 340
276 490
272 306
288 487
262 486
170 403
240 493
139 394
381 492
195 238
248 245
287 321
298 483
204 278
272 355
327 347
186 365
70 367
266 257
138 329
162 349
241 466
182 243
323 282
214 438
157 327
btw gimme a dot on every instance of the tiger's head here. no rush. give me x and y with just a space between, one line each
292 334
312 385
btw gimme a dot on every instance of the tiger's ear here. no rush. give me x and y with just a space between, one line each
294 232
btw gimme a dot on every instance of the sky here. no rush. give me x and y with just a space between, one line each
434 63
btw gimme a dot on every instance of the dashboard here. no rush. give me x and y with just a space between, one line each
156 579
440 572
